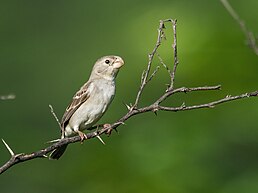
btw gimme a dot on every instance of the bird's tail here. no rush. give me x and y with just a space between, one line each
58 152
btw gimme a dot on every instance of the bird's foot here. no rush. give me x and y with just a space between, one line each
82 135
108 128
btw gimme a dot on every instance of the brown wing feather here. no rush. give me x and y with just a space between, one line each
78 99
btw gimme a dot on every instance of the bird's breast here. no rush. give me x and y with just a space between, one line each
94 107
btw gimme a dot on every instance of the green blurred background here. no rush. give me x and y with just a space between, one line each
47 50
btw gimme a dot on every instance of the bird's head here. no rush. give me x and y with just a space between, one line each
107 67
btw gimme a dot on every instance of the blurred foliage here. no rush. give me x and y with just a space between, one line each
46 53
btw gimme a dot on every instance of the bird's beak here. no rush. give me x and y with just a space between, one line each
118 63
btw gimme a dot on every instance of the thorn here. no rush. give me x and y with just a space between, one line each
8 148
53 141
168 87
163 35
121 122
116 131
183 105
155 111
185 90
100 139
127 106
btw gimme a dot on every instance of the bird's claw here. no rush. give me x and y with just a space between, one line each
82 135
109 129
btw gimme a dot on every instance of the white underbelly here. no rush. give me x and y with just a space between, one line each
87 115
91 110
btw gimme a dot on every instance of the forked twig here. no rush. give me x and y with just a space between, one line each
135 109
151 56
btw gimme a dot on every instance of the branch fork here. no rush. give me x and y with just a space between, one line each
135 109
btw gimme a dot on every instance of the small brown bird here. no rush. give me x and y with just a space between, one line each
91 101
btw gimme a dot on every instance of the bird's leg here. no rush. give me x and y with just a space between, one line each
82 135
97 135
95 127
109 128
105 126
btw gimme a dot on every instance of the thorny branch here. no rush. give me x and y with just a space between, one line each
174 45
249 34
146 72
135 109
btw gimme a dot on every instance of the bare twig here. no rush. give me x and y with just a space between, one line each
7 97
249 34
146 72
153 107
163 64
209 105
55 116
185 90
133 109
173 73
154 73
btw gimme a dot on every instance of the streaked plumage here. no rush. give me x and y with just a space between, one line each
91 101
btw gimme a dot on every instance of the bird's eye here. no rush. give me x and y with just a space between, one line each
107 61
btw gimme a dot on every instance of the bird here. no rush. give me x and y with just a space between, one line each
90 103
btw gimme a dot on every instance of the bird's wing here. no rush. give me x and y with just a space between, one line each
78 99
